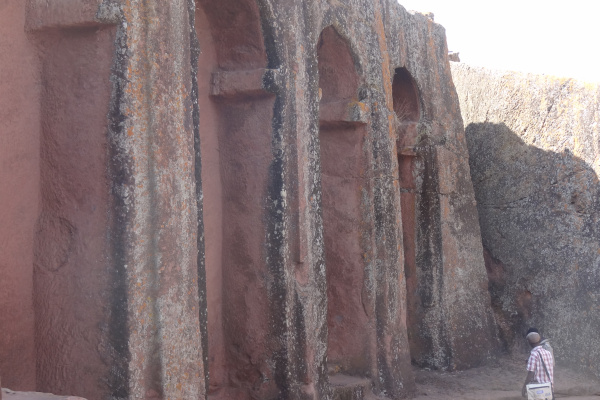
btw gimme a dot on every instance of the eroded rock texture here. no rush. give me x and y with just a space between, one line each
534 144
239 199
303 246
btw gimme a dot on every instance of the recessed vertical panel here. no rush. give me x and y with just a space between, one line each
235 143
407 110
71 262
343 184
212 204
341 180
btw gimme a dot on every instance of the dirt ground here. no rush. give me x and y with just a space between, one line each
500 380
7 394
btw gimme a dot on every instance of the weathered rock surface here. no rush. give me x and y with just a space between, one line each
534 144
279 187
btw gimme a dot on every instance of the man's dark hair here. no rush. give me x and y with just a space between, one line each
532 330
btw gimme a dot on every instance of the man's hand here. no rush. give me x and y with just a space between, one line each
529 379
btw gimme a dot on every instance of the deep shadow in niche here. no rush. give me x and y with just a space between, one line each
539 213
235 143
343 182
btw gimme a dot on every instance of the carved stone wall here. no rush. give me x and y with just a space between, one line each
242 199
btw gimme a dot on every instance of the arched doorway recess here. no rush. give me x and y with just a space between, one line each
342 134
235 117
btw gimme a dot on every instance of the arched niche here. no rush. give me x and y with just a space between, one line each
406 107
235 116
407 110
343 183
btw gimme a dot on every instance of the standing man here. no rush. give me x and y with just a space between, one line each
540 366
545 343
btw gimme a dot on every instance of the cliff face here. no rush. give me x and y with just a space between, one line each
534 145
246 199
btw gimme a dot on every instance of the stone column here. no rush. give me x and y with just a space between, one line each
155 326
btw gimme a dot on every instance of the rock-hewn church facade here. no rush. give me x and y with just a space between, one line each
233 199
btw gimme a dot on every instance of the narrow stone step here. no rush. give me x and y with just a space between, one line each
345 387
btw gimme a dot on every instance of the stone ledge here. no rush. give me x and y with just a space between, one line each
241 84
342 114
43 14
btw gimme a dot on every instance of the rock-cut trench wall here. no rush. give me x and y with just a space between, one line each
236 199
534 144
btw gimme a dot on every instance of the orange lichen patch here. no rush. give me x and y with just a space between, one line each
363 106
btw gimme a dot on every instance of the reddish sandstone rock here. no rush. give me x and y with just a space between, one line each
245 198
